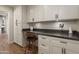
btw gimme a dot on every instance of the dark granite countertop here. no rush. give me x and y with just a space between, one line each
58 34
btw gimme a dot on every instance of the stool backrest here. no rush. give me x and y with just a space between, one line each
31 36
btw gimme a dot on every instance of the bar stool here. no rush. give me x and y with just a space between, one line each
31 38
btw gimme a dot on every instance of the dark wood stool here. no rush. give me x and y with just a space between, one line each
31 38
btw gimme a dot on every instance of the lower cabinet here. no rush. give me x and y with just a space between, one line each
55 50
43 50
53 45
71 51
43 44
72 48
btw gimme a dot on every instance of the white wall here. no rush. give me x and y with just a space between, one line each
55 25
10 27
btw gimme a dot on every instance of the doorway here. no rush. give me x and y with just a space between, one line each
3 25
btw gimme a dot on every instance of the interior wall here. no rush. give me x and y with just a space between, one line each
55 25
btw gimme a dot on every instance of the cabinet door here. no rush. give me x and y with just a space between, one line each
72 48
37 13
55 46
68 12
56 50
50 12
70 51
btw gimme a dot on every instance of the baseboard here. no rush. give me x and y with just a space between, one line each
18 44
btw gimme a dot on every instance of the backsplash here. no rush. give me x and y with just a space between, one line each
55 25
77 26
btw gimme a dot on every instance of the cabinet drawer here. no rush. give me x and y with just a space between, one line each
44 38
45 43
46 46
42 50
58 43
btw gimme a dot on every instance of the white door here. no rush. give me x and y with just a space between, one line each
18 25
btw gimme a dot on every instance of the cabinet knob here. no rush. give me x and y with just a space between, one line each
43 38
63 42
43 44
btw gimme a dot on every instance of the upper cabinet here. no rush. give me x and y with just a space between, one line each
53 12
68 12
36 13
49 12
42 12
61 12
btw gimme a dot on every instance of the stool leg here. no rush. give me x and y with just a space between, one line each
25 50
33 47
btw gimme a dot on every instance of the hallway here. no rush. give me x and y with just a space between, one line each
6 48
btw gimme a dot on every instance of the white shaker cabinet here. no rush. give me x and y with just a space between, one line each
68 12
37 13
62 12
63 46
57 46
43 44
72 48
54 45
43 12
50 11
55 50
48 45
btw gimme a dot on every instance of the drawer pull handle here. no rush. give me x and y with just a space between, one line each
43 44
43 38
63 42
62 51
